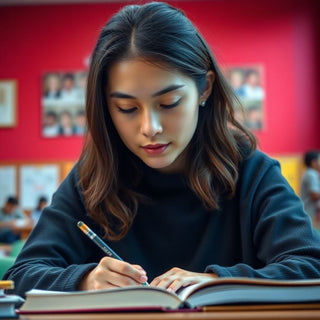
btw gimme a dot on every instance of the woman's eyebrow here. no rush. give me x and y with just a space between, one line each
121 95
168 89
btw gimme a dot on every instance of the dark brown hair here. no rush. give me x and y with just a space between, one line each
108 170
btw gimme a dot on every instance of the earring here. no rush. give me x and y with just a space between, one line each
203 103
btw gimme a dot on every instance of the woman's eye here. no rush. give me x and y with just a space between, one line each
130 110
170 106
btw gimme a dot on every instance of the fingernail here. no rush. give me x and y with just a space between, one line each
143 278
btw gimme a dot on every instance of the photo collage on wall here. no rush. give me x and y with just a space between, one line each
248 84
63 104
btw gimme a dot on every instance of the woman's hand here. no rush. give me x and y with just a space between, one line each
176 278
111 273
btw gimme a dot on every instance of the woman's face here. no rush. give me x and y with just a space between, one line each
155 111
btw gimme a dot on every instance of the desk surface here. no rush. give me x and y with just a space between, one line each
23 230
214 315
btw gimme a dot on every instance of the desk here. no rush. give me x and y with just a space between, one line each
5 249
24 230
236 314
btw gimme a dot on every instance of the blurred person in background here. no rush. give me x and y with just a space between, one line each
35 214
10 217
69 92
80 126
254 117
310 186
66 124
51 125
236 80
252 88
52 89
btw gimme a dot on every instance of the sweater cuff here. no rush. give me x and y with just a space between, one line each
75 277
221 272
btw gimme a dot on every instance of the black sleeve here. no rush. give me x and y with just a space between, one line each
57 254
276 229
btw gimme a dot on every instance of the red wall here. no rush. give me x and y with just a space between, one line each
281 35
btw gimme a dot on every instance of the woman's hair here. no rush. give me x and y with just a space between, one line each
163 35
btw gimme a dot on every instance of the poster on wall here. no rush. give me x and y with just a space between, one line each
8 96
37 181
248 84
8 183
63 104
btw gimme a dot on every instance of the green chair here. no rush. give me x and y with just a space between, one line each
16 248
5 264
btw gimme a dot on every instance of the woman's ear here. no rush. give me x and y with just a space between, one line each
207 91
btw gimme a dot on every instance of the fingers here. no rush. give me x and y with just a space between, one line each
173 280
123 273
111 273
177 278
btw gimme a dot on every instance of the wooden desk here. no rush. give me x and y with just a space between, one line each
259 313
23 230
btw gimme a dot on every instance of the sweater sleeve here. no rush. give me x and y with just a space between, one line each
57 254
277 232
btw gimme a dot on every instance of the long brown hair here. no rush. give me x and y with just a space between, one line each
107 169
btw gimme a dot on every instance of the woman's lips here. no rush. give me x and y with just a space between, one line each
155 149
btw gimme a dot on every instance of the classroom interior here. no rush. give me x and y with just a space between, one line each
279 38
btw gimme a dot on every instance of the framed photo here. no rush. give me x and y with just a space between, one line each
248 83
8 97
63 104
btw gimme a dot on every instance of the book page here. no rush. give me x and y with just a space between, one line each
107 299
185 292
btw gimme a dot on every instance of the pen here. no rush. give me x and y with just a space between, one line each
100 243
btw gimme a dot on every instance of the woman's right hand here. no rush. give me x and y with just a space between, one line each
112 273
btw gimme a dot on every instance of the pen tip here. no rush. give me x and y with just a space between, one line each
80 223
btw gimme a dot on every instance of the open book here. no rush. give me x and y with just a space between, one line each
231 291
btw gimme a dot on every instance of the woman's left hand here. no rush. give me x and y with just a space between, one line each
176 278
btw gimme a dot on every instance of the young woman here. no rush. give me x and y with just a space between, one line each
168 177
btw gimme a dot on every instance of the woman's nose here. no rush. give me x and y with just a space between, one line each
151 123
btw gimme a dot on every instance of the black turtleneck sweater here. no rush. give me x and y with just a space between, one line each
261 232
